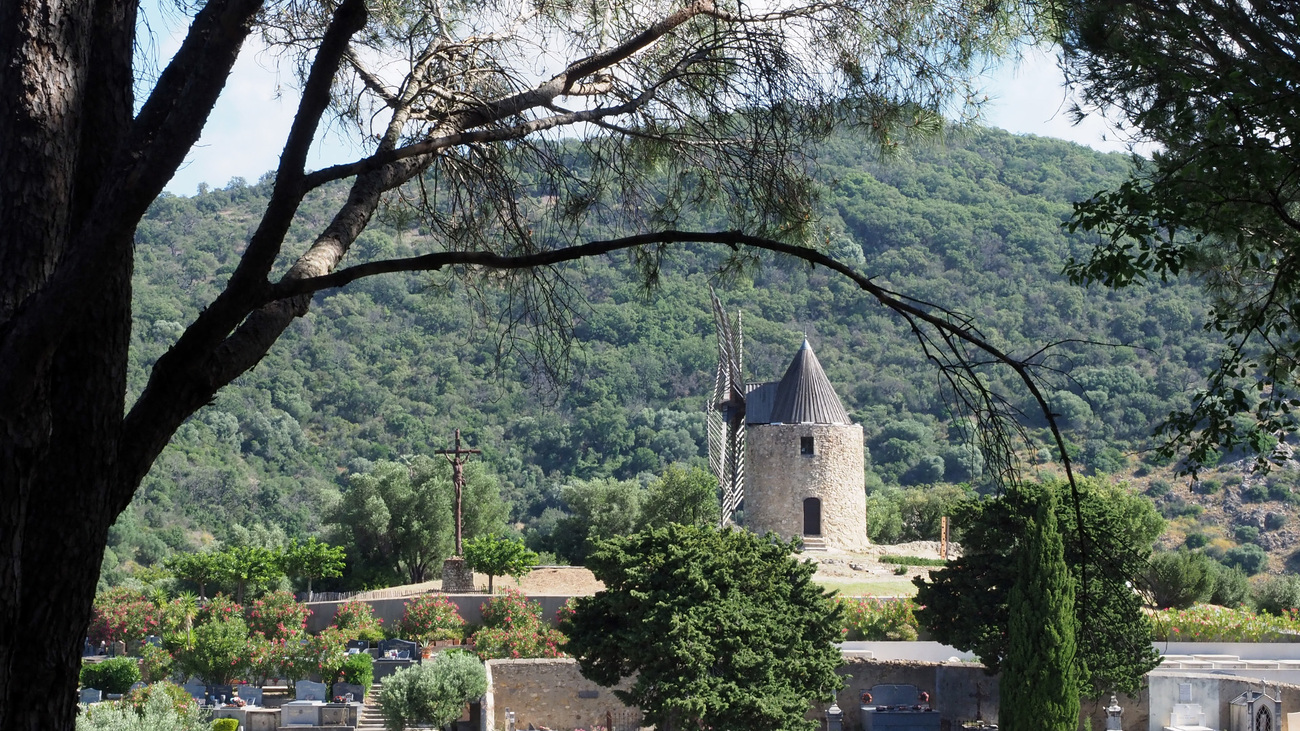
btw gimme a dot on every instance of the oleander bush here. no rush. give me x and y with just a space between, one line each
430 617
356 620
278 615
513 628
1208 623
114 675
872 619
126 614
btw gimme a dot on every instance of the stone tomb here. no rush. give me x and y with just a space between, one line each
90 695
898 707
1186 716
305 710
1256 711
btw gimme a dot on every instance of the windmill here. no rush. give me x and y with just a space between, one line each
726 416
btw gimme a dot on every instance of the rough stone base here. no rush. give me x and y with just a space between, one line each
457 578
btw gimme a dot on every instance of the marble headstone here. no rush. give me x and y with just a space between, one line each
308 690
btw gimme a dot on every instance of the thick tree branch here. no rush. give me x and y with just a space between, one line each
944 323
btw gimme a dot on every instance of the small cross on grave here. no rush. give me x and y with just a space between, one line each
980 696
454 456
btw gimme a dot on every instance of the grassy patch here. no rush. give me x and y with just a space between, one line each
913 561
877 587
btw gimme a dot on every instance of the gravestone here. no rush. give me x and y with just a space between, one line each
135 686
219 693
87 649
898 706
308 690
361 645
198 691
405 649
154 640
91 695
119 649
252 696
343 689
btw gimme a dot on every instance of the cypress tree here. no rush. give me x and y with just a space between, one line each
1040 678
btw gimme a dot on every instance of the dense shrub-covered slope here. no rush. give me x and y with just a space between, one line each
390 366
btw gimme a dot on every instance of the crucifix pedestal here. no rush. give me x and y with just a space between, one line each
457 578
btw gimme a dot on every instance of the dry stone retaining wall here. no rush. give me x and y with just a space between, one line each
550 693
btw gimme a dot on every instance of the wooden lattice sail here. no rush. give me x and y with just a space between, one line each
726 415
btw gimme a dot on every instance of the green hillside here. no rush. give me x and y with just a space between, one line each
391 365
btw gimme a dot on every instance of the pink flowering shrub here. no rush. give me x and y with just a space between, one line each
123 614
357 621
1208 623
430 617
278 616
219 608
869 618
513 628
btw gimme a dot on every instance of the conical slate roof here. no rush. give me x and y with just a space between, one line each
805 395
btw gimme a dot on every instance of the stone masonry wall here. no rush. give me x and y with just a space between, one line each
550 693
778 478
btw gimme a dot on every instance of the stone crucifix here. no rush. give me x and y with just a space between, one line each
456 457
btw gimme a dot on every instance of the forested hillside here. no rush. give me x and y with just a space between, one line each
391 365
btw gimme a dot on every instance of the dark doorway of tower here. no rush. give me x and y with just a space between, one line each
812 516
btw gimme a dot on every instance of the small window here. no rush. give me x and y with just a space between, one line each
806 446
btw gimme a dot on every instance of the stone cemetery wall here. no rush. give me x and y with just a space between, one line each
390 610
549 693
1213 693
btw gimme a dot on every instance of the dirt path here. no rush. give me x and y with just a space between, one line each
852 574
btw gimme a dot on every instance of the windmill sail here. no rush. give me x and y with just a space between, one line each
726 416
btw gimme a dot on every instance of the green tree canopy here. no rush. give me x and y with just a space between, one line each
966 603
686 495
722 629
499 556
313 560
396 519
1212 84
201 568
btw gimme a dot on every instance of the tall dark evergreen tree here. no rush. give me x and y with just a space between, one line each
1040 675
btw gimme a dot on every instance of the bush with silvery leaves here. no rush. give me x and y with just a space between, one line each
159 713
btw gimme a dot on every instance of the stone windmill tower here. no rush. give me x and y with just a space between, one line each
797 463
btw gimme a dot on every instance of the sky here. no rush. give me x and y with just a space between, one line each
243 136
